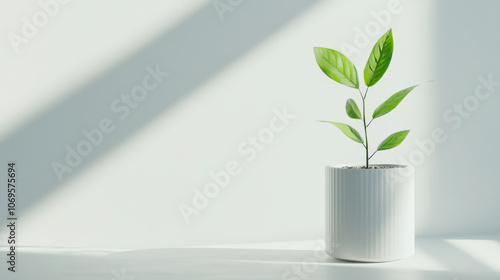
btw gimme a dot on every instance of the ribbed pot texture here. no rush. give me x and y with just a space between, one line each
370 213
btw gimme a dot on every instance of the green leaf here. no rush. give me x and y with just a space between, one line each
393 140
348 131
379 59
392 102
337 66
352 109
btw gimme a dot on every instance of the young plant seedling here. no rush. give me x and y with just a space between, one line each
340 69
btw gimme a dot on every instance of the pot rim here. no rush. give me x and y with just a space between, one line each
393 165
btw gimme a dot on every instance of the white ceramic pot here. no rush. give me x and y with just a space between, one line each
370 213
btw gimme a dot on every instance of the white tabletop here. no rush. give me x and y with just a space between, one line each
444 259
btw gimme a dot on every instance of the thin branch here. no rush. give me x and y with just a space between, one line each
360 94
373 154
366 92
369 123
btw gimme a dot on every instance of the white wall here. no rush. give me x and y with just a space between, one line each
226 79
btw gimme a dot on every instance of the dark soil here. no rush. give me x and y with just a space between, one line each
373 167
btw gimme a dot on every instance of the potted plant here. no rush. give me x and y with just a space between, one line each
370 207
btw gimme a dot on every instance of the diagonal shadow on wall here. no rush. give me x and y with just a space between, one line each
192 52
460 198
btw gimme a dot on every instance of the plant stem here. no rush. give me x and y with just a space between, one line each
365 126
